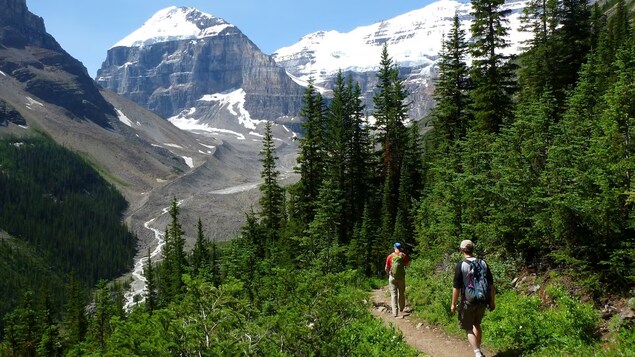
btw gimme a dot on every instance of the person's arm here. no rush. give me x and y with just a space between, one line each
455 299
406 259
388 264
457 285
492 289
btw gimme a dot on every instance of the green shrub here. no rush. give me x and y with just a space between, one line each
522 323
429 290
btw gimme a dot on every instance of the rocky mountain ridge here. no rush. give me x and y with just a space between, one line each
184 64
414 42
148 158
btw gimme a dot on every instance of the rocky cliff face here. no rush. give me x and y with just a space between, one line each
32 56
171 73
20 28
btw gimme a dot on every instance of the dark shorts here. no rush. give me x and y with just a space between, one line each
470 315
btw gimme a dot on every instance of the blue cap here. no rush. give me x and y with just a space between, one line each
397 245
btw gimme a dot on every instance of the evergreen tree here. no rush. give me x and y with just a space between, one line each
272 198
151 289
200 254
324 231
50 344
449 116
173 265
338 133
102 312
538 62
520 157
362 167
390 114
311 164
574 41
22 328
492 72
75 322
214 263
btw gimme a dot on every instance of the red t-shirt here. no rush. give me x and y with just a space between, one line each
406 260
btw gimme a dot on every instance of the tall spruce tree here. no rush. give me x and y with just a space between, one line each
538 62
200 254
22 331
362 167
214 263
100 328
450 114
75 321
324 231
272 195
151 290
492 72
391 115
574 40
338 133
311 160
174 263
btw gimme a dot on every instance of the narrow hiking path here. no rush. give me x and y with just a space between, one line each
417 333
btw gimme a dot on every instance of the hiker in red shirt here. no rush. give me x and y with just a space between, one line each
395 268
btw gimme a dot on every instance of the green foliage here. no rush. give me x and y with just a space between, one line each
429 289
523 323
54 201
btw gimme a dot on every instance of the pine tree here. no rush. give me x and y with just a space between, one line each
573 38
272 198
151 288
214 263
338 133
51 342
390 114
449 116
491 72
538 62
75 321
22 327
362 166
200 254
410 187
173 265
324 230
311 165
100 324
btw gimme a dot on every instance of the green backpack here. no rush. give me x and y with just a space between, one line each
398 270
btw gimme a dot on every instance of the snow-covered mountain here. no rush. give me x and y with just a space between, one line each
174 24
207 78
414 42
203 74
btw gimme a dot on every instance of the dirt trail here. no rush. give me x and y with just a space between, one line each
427 339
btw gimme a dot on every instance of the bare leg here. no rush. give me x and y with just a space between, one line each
474 337
478 335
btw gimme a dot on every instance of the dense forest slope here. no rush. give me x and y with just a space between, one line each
63 216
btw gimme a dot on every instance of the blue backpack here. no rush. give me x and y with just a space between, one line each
477 289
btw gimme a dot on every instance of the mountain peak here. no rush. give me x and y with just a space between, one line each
175 24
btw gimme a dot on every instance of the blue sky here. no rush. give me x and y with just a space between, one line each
87 29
